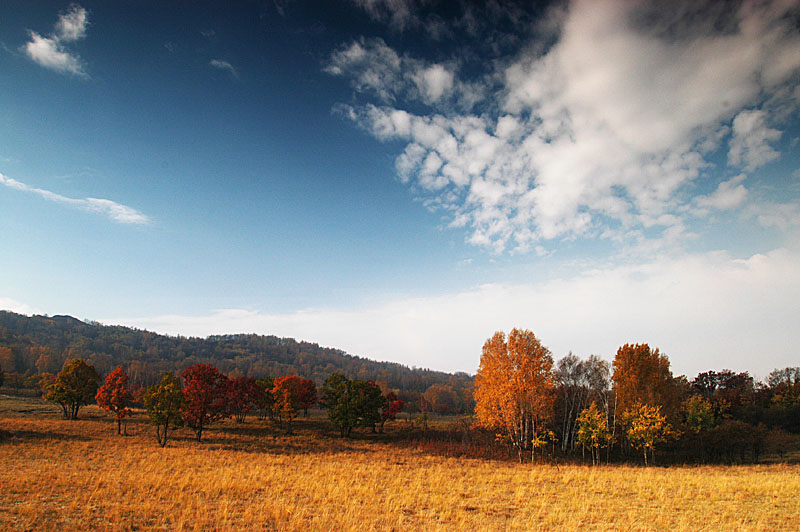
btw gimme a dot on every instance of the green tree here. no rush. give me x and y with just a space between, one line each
593 430
75 386
164 403
351 403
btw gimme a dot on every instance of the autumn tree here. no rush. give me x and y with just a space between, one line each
351 403
164 403
205 391
292 394
391 408
115 396
244 392
74 387
307 395
593 431
646 427
265 402
513 387
642 376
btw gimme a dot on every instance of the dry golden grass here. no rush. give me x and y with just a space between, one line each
79 475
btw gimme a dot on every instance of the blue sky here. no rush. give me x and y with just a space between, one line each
401 178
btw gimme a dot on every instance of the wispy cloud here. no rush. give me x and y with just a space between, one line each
704 311
604 132
51 51
114 211
224 65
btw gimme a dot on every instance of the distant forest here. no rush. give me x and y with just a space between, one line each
41 344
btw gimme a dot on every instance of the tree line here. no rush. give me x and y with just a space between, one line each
203 395
39 345
635 404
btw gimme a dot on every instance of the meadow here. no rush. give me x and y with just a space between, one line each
80 475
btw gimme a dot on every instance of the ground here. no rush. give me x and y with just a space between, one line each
80 475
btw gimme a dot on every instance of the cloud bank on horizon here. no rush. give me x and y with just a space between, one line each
610 132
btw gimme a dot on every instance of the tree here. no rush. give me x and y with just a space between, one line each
351 403
290 395
699 413
642 376
392 407
115 396
244 392
205 391
593 430
513 387
442 399
164 403
2 376
74 387
265 402
306 395
646 427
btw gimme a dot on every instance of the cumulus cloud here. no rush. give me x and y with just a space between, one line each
116 212
728 195
376 69
224 65
51 51
750 145
603 133
705 311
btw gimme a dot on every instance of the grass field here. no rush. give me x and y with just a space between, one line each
79 475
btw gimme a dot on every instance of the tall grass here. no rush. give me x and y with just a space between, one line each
79 475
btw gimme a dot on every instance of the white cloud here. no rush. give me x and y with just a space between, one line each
224 65
50 52
398 13
729 195
12 305
603 134
114 211
705 312
750 146
375 68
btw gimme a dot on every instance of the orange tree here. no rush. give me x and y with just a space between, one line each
115 396
291 394
513 387
642 376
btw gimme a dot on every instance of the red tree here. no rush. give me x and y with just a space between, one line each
307 395
205 390
392 407
243 395
115 396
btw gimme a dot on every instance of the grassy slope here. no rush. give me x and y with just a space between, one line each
62 475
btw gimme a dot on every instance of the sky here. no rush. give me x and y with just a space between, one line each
402 178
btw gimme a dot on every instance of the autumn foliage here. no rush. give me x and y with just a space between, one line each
115 396
292 394
514 387
205 391
74 387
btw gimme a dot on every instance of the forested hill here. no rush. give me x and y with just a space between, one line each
41 344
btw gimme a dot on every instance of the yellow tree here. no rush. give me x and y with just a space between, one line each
593 431
646 428
513 387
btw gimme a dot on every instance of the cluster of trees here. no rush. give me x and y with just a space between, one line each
37 345
635 404
203 395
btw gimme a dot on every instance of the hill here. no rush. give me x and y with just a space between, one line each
37 344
